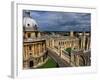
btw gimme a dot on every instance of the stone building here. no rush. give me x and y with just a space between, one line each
34 46
81 58
63 42
84 40
80 46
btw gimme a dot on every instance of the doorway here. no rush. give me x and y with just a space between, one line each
31 64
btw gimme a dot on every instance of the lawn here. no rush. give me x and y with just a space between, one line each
68 50
49 64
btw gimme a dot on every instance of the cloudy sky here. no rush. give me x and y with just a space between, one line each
61 21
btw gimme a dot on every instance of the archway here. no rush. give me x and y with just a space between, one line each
31 64
81 61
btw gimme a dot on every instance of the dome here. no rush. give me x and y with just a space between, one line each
29 22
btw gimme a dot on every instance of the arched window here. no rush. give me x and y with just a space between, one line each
29 35
30 47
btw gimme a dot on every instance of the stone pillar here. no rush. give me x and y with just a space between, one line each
26 36
78 45
27 52
70 44
39 48
65 44
81 43
84 40
88 43
72 58
33 50
23 52
49 43
36 49
43 47
39 34
52 43
77 60
80 39
33 35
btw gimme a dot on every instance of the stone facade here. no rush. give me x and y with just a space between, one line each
34 46
79 43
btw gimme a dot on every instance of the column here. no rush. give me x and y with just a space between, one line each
72 57
77 60
26 35
44 47
81 42
25 49
33 50
37 49
27 52
84 38
40 47
70 44
52 43
39 35
33 35
88 43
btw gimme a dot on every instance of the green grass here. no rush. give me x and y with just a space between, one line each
49 64
68 50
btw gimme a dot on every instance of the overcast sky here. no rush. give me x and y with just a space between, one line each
62 21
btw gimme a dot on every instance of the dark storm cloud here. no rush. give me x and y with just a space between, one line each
62 21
